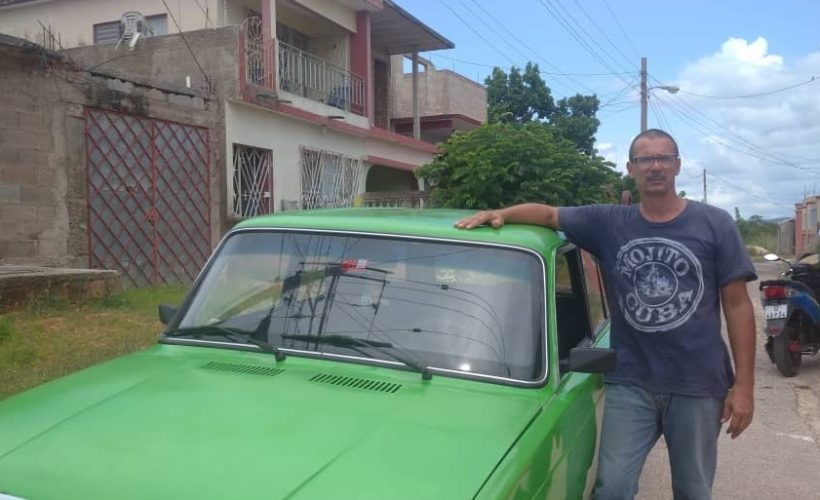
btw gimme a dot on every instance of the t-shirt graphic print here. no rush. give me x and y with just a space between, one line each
666 281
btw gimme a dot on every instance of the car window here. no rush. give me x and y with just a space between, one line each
595 294
572 314
472 308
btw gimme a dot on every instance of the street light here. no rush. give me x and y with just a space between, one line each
672 89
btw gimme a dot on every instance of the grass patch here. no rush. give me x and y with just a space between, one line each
48 339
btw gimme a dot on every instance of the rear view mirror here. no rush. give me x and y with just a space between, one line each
591 360
166 313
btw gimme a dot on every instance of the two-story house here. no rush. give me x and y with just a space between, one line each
303 93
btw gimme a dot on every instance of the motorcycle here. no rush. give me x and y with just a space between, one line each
792 312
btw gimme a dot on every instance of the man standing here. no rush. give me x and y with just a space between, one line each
669 263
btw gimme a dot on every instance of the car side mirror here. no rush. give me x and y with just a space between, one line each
166 313
591 360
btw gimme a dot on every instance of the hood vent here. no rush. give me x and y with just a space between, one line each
246 369
356 383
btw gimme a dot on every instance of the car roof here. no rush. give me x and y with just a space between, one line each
433 223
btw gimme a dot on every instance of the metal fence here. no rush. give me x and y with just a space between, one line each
397 199
258 54
305 74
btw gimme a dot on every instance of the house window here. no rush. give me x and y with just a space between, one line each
107 32
252 181
110 32
328 179
156 25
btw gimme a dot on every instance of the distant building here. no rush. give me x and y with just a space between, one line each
806 225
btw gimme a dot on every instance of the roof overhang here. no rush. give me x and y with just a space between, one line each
396 31
371 5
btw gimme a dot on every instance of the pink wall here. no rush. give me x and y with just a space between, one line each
360 58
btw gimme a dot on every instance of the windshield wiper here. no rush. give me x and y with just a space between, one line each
355 342
231 334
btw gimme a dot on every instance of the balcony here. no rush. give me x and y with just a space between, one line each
309 76
299 72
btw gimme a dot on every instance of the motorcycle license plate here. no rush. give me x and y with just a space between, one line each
776 312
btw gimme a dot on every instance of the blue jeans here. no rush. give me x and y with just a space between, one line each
635 418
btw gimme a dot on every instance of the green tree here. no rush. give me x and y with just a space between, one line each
517 97
501 164
574 118
525 97
756 231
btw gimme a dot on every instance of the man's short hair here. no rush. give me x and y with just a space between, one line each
652 132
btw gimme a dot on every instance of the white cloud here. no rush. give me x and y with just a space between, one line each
760 153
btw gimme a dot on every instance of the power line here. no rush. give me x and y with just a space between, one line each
540 71
734 186
716 127
604 59
623 32
477 33
692 122
564 24
617 95
759 94
558 71
482 21
207 16
658 117
602 32
181 34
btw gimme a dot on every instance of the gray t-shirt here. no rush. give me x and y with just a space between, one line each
664 282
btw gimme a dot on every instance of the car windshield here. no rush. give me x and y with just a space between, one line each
466 307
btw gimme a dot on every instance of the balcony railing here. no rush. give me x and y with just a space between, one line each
256 55
305 74
397 199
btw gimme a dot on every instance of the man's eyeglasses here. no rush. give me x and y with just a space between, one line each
647 161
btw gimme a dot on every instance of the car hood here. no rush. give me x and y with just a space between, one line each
195 422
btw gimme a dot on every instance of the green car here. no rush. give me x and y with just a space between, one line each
351 353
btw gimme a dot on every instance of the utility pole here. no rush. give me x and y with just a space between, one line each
672 89
704 187
644 95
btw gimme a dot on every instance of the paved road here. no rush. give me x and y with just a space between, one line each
779 454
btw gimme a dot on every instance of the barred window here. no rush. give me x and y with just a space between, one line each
252 181
328 179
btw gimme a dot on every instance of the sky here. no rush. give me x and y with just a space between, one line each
748 111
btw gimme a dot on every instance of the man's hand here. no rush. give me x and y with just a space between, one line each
492 218
739 407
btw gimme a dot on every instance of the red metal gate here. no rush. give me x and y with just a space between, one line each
148 201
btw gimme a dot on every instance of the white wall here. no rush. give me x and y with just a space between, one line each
73 20
284 135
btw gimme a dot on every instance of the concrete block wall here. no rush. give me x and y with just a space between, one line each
165 61
441 92
33 215
43 179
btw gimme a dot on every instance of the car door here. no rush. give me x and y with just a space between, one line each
582 320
